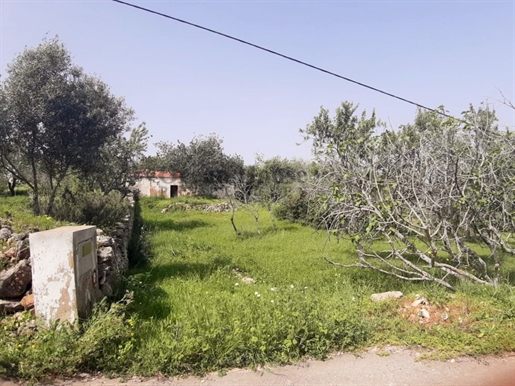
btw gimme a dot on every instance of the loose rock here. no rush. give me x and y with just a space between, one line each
5 233
19 236
28 301
11 252
105 253
103 241
10 307
386 295
419 300
222 207
21 244
15 281
248 280
24 253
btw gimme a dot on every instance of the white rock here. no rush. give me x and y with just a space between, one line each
105 253
248 280
5 233
386 295
418 302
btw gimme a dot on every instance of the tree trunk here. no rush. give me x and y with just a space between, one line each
35 190
12 185
272 217
232 222
51 199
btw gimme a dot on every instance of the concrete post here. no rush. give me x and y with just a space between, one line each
64 273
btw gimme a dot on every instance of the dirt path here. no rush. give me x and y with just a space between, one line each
385 367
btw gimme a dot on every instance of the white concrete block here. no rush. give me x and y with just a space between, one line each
64 273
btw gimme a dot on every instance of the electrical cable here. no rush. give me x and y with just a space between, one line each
284 56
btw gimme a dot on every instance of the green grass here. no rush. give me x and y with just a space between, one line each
192 312
17 211
195 313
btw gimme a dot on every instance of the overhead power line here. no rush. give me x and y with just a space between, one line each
283 56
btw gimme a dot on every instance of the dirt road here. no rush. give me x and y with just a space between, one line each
384 367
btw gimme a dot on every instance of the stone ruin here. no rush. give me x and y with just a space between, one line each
220 207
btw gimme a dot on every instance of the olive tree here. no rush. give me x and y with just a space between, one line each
54 119
119 161
243 195
265 184
274 179
430 191
202 164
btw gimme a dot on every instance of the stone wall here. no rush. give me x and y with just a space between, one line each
112 252
15 275
15 263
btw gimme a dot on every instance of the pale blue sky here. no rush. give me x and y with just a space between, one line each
184 82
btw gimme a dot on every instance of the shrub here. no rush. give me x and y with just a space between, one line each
102 343
297 207
92 207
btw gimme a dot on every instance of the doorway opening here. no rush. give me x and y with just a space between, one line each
174 191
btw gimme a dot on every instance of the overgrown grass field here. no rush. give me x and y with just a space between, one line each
196 313
195 308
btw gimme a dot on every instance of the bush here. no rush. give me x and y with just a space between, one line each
296 207
3 185
92 208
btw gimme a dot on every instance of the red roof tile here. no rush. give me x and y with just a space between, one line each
159 174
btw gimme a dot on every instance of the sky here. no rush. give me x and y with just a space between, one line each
185 82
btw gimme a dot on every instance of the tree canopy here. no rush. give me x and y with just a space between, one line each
55 119
203 165
429 191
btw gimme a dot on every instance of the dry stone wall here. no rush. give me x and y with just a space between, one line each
112 252
220 207
16 275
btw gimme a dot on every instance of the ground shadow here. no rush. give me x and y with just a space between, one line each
188 270
181 225
151 300
254 234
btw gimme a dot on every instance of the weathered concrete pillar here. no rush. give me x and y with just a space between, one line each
64 273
